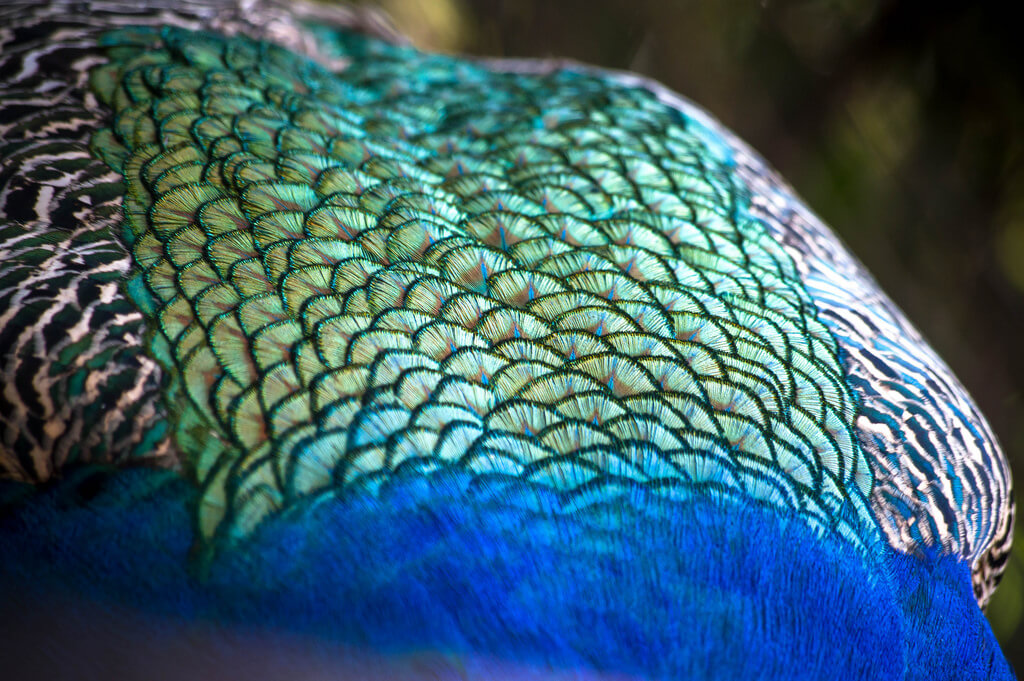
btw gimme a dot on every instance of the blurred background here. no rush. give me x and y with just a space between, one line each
900 123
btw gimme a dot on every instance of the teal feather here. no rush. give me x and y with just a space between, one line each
405 310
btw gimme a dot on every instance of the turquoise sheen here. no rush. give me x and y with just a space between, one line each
462 373
435 577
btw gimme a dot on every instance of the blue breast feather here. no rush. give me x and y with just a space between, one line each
660 589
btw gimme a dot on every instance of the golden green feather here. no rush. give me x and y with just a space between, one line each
548 277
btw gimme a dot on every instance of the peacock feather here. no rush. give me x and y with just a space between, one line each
519 363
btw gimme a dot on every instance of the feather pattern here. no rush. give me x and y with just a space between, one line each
246 245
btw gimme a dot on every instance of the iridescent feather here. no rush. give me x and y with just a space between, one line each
558 310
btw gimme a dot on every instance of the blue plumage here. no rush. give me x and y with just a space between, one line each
415 365
702 589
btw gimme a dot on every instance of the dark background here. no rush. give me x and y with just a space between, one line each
900 123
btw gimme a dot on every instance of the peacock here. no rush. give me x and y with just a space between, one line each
326 357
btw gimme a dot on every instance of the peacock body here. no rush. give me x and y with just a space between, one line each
450 369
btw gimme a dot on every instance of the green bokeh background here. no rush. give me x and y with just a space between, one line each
900 123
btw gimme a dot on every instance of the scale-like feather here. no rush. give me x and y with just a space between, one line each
342 287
